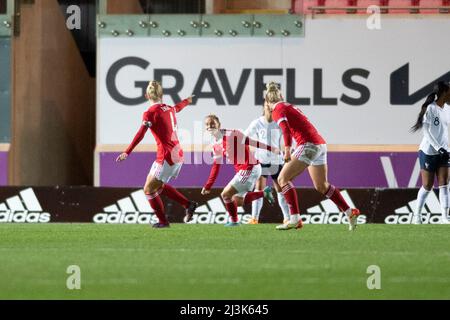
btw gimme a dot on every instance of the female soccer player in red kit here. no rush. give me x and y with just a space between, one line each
161 120
311 153
234 145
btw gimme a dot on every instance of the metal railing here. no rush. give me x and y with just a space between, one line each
383 9
6 19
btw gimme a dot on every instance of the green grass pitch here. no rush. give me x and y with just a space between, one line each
214 262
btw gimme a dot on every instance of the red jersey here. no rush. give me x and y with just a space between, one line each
293 122
163 125
234 146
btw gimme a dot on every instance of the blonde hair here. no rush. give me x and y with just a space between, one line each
214 118
273 93
154 91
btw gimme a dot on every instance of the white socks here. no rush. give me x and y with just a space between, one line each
257 206
283 205
421 198
443 200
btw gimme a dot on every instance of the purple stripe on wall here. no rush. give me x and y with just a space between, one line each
3 168
345 170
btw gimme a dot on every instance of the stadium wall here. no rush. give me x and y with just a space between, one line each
362 89
5 105
53 102
129 205
4 153
349 169
5 89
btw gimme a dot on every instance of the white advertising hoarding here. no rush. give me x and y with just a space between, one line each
358 86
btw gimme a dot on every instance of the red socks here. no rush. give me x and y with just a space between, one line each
335 195
290 195
250 196
157 205
232 209
175 195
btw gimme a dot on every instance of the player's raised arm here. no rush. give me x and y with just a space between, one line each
257 144
181 105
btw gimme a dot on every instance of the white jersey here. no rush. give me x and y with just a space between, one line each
435 129
268 133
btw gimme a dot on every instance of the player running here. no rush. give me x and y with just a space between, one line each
433 151
161 120
311 154
266 130
234 145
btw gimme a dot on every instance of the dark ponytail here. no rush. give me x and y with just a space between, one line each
439 89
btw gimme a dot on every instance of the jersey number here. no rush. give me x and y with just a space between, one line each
436 121
174 127
172 120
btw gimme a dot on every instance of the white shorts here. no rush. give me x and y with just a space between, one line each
311 154
164 172
245 180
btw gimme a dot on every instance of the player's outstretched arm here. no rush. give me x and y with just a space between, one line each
137 138
123 156
205 191
181 105
257 144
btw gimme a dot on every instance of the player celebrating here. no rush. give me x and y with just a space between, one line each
433 154
234 145
311 153
161 120
267 131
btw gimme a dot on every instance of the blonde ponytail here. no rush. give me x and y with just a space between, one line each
273 93
154 91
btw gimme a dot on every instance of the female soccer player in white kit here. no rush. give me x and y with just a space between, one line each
266 130
433 119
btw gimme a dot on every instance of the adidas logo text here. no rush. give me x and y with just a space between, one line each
214 211
130 210
328 213
431 212
23 208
